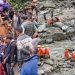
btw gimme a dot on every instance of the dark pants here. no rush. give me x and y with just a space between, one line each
4 65
9 69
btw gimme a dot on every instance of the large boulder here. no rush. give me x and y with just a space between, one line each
58 37
54 30
41 28
43 41
59 24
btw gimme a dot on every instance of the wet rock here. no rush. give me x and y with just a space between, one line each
61 63
45 35
69 23
58 37
41 28
40 18
73 3
48 4
66 69
74 26
43 41
47 73
72 22
64 28
40 35
49 41
59 24
69 35
40 72
73 39
54 30
47 68
49 62
70 29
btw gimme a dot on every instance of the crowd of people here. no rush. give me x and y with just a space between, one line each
18 39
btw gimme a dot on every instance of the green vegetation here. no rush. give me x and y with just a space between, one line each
18 4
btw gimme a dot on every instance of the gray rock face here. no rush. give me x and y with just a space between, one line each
51 34
58 37
70 29
64 28
70 35
54 30
49 40
59 24
43 41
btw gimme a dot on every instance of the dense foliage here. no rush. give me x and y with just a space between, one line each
17 4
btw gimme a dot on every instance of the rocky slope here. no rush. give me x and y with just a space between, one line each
59 36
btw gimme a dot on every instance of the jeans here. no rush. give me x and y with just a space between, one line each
9 69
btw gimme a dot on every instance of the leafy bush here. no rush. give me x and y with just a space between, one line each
17 4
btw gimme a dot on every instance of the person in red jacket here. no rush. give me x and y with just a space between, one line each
2 72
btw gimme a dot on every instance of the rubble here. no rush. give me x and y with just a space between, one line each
49 41
55 66
63 30
59 36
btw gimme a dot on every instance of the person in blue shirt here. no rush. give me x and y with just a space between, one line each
9 50
30 66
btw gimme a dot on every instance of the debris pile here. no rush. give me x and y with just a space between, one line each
59 35
58 31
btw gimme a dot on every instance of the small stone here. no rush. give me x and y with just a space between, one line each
40 72
64 28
